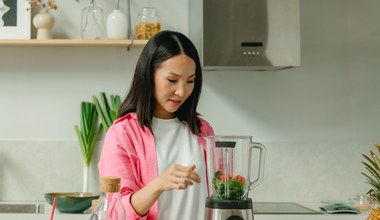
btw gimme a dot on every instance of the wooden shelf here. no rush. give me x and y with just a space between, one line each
74 42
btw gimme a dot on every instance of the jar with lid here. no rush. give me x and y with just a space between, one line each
148 23
110 190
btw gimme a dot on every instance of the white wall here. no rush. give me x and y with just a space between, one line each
315 120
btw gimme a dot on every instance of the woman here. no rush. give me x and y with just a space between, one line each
156 144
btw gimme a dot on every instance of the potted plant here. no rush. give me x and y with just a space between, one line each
372 165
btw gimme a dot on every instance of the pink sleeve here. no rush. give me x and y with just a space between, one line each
119 158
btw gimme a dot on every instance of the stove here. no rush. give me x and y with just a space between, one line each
281 208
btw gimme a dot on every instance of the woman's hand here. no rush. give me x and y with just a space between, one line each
178 177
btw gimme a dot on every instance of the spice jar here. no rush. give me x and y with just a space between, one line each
147 23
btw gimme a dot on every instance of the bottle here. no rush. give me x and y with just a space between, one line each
109 188
94 204
147 23
92 22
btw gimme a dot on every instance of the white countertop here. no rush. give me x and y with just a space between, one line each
59 216
66 216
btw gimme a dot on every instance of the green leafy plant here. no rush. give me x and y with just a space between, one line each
372 165
107 111
227 187
87 135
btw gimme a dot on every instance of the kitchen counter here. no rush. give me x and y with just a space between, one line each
59 216
66 216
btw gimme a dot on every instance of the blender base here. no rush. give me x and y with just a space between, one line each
228 209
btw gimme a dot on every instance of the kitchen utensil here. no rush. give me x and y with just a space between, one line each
53 208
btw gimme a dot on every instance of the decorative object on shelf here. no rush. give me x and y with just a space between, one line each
148 23
43 4
372 165
92 22
15 19
117 25
43 21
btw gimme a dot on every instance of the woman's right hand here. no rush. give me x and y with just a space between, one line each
178 177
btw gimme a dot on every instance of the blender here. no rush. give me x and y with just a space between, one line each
234 167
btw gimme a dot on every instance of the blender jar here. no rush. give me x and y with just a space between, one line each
233 168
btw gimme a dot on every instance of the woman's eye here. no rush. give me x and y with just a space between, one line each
190 81
172 80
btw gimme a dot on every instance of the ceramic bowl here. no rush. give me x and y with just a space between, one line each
71 202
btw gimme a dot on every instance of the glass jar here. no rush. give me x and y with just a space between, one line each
110 189
148 23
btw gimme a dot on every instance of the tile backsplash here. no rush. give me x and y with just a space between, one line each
298 171
28 169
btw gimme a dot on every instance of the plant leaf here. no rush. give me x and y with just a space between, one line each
107 113
89 131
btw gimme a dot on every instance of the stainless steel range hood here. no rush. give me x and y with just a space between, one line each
251 34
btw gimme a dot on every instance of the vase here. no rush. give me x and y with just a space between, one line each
92 22
44 22
117 25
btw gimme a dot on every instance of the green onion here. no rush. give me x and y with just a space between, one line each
107 112
87 135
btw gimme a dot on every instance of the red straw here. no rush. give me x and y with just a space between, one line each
53 208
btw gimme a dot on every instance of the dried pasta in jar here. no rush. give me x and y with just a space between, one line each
146 30
148 23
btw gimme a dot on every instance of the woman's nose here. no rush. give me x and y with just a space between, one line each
180 91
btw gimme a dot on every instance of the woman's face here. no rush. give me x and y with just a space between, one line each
173 84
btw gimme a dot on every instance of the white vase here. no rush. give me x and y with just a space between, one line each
44 22
117 25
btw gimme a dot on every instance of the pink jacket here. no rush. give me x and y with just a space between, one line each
129 152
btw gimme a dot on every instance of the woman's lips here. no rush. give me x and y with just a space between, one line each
175 102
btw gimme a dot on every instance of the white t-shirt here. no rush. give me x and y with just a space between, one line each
175 144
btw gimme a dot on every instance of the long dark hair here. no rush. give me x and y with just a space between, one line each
140 99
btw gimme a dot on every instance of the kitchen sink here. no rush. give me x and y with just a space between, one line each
21 208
